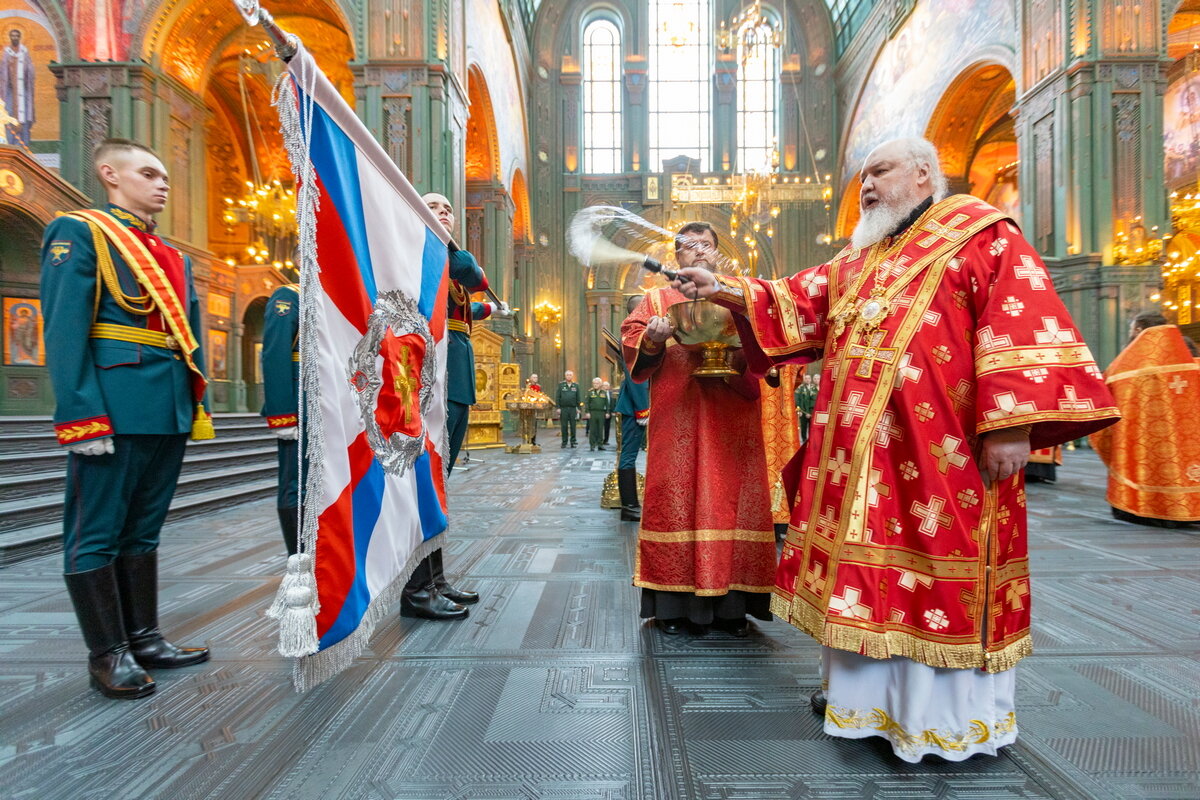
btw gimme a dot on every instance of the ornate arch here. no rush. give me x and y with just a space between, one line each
483 143
522 225
60 28
977 101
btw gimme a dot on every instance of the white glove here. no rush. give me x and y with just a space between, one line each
501 310
92 447
289 434
644 421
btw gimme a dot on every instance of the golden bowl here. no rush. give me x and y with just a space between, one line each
708 327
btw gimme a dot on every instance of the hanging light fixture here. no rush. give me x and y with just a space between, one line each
749 31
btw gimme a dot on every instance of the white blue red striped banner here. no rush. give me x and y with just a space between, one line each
373 346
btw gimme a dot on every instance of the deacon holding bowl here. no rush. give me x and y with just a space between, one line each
706 544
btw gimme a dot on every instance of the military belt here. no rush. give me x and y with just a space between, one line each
458 325
129 333
295 355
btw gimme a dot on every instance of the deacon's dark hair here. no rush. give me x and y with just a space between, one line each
633 302
110 147
695 227
1149 319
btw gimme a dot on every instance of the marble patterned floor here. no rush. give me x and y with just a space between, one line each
555 690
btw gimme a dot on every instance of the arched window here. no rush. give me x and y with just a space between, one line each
602 97
679 72
848 17
757 100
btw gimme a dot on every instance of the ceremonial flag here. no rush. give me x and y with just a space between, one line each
373 285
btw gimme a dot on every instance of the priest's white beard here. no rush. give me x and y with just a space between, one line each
881 219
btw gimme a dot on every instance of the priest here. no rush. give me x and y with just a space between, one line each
947 356
1153 451
706 545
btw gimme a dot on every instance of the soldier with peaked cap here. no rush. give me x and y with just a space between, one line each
281 400
128 377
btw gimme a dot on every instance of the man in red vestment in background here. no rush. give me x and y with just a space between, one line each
1153 453
947 356
706 545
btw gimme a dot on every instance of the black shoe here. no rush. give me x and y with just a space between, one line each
818 702
137 581
591 449
736 627
572 445
428 604
627 488
602 447
671 627
438 569
113 670
630 514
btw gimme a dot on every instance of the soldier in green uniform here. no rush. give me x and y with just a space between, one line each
281 400
598 409
568 400
806 403
127 371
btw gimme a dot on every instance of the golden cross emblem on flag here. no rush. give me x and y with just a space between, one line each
405 383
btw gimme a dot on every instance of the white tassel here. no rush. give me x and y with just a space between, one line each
299 573
298 624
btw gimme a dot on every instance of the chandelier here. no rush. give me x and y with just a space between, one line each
749 31
679 25
269 208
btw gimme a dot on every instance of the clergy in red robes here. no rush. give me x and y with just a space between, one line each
947 356
1153 453
706 545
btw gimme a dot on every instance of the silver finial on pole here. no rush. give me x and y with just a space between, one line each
255 14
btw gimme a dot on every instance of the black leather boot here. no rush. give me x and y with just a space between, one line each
627 487
137 581
461 596
422 600
287 523
113 670
818 703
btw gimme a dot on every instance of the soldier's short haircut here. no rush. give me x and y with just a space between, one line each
695 227
1149 319
110 147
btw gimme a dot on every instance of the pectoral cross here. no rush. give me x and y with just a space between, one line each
405 384
872 352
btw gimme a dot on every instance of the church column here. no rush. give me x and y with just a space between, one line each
724 114
1089 130
575 329
489 236
636 138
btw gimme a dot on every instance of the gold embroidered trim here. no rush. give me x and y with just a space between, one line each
890 643
916 742
1031 358
674 537
1058 415
1164 369
733 587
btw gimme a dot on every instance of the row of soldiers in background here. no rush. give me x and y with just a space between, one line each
915 447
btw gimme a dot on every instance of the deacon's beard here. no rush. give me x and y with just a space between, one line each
880 220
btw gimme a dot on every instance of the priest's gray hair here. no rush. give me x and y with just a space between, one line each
921 152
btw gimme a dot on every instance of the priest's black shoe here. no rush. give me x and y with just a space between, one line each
818 702
671 627
113 671
429 604
736 627
137 582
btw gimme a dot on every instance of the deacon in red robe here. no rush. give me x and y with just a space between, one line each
1153 453
706 546
947 356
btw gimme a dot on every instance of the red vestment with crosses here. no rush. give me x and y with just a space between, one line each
895 546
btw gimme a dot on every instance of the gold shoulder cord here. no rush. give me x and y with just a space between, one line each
107 270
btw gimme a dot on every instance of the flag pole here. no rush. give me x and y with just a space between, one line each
255 14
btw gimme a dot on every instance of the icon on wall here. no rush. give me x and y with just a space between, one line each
23 332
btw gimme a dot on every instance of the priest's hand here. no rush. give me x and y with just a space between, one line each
659 329
700 283
1005 453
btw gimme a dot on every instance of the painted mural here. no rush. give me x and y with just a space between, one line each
1181 130
27 47
905 84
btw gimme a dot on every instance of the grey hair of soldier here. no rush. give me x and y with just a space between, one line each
919 152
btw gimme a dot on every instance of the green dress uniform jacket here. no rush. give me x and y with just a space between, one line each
115 375
281 358
597 405
103 386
